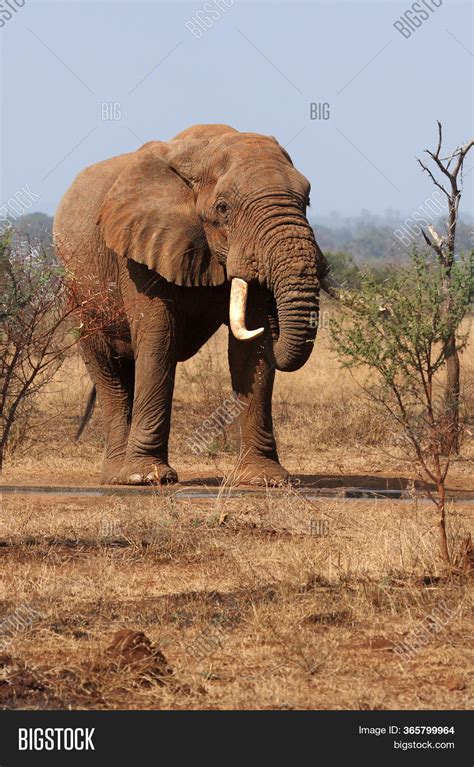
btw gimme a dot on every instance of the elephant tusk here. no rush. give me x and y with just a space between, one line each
238 303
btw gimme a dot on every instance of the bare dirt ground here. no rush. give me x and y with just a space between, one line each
264 601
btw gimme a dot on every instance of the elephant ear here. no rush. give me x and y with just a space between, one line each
149 215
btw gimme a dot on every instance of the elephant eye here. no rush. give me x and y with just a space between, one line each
222 208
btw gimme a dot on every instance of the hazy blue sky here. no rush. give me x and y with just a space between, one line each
258 68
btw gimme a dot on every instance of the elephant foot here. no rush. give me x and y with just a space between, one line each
146 473
111 471
261 471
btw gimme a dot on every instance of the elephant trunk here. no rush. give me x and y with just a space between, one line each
289 259
297 302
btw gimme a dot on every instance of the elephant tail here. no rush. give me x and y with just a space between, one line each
87 413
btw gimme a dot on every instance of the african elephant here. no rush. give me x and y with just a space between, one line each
177 239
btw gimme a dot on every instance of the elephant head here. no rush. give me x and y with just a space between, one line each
214 204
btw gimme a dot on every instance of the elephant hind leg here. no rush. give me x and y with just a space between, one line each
114 377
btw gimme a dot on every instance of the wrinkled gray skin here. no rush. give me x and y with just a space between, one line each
153 239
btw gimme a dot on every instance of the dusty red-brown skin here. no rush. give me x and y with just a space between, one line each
161 232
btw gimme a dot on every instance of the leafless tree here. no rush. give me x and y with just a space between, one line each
443 246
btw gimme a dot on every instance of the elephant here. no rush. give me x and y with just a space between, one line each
164 245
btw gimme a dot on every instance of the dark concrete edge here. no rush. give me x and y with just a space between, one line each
202 492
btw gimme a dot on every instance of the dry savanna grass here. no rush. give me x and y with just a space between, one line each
268 600
286 604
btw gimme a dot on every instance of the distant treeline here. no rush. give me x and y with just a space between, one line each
37 228
368 241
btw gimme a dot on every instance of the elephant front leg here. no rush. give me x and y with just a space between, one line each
146 460
252 382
